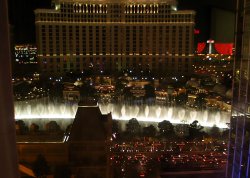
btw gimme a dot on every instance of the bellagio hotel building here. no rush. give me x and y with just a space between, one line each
110 36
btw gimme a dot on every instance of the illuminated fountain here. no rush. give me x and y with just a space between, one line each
38 109
42 111
63 113
154 113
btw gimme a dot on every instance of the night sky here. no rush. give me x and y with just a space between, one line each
21 15
22 18
204 10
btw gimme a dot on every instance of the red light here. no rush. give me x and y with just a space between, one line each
224 48
200 47
220 48
142 175
196 31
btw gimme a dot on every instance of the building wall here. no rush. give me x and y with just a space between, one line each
239 150
85 159
111 36
90 159
54 153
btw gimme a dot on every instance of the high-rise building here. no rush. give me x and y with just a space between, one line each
239 149
25 54
111 36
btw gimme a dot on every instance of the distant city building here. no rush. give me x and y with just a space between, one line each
111 36
71 92
239 148
25 54
212 47
214 59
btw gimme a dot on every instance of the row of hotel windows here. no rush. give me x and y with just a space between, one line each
65 28
57 15
116 51
148 42
135 41
50 38
105 18
103 8
70 7
100 32
140 59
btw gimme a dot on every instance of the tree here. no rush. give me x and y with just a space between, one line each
53 127
21 128
195 130
34 128
215 132
149 131
133 128
181 130
195 125
166 128
40 166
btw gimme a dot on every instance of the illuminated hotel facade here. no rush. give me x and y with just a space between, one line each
239 143
25 54
112 36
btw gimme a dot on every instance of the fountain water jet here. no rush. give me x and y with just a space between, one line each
45 110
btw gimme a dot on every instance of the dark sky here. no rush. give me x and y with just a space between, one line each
204 10
22 16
